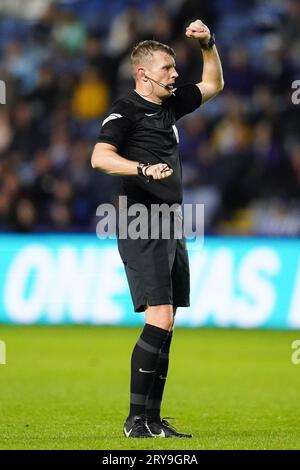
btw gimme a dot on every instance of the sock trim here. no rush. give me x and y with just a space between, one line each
137 399
147 347
156 329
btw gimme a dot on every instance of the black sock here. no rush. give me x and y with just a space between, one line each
144 360
156 393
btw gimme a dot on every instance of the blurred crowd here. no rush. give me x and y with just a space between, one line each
64 62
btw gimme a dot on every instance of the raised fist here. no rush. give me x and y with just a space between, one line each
198 30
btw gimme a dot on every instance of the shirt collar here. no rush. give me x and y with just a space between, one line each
149 101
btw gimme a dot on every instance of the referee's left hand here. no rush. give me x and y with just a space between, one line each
159 171
198 30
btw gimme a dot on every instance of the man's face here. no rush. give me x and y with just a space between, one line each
162 69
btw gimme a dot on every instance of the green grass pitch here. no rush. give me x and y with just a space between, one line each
67 388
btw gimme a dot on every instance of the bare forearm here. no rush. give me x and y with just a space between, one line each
212 68
106 159
112 163
212 76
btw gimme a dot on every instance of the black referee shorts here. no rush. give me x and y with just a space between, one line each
157 271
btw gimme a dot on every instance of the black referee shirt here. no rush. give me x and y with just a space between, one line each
146 132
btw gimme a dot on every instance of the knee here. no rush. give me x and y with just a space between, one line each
165 323
160 316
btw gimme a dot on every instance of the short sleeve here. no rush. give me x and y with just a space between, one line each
187 98
116 126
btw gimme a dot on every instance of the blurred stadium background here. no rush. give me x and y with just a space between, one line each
63 63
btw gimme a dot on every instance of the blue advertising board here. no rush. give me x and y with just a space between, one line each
235 282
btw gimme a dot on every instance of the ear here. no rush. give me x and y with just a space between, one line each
141 74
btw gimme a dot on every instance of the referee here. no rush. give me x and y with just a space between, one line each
139 142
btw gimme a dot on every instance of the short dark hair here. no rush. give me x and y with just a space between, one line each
145 49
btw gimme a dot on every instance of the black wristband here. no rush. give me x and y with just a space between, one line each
141 169
148 178
145 170
209 44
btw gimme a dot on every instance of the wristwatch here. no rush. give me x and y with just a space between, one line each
209 44
142 168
